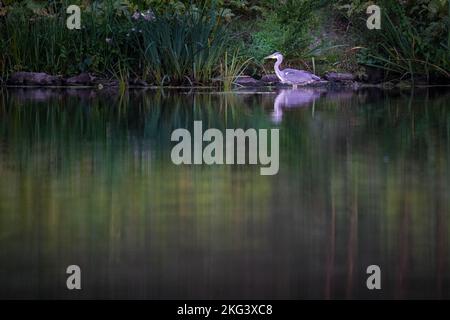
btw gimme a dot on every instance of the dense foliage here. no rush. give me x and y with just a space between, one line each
196 42
117 39
413 41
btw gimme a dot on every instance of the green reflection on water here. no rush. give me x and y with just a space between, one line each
86 179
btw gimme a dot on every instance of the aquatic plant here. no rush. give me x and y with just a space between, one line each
231 68
181 48
42 42
169 48
413 41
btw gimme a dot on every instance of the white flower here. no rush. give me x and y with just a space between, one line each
136 15
148 15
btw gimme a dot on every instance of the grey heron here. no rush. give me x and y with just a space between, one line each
291 76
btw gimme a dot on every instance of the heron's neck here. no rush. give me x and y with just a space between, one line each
277 66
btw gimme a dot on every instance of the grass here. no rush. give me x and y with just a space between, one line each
403 53
183 48
232 67
43 43
412 42
169 49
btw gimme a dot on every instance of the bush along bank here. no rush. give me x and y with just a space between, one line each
221 43
413 43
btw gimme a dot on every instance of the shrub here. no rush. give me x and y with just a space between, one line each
414 39
287 27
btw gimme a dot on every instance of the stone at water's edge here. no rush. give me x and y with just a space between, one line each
335 76
107 83
320 83
137 82
266 81
374 75
33 78
270 79
81 79
86 79
247 81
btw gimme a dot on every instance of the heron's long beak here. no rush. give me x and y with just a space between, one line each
269 57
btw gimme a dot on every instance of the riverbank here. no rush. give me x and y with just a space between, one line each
86 80
221 42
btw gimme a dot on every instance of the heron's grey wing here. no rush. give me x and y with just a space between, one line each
299 76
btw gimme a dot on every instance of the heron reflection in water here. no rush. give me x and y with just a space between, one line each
289 98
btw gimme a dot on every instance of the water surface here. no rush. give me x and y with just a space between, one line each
86 178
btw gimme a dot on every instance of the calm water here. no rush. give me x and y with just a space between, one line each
86 178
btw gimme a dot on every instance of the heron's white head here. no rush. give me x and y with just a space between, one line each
276 55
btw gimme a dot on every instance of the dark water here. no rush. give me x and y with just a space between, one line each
86 179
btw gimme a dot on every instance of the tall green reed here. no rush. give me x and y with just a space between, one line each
172 48
411 42
231 68
182 48
43 43
406 54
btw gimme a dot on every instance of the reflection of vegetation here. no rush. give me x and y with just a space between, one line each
95 165
364 178
64 134
374 173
